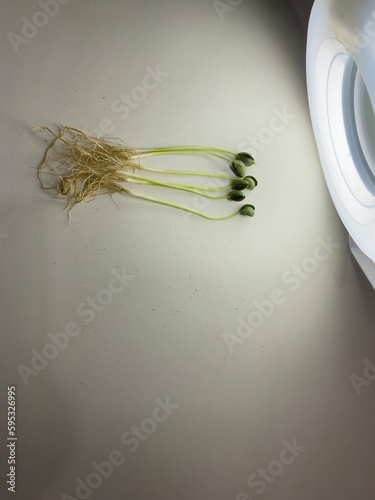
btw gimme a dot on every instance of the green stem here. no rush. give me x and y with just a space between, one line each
178 172
144 180
166 152
187 186
198 188
188 148
186 209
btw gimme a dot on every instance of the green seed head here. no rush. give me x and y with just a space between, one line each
239 168
236 196
252 182
248 210
240 184
246 159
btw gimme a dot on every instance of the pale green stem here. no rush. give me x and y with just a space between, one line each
187 186
178 172
186 209
144 180
186 148
166 152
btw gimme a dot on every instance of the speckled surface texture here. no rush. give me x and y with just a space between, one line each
158 355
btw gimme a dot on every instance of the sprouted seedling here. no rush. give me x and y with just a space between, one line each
80 167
